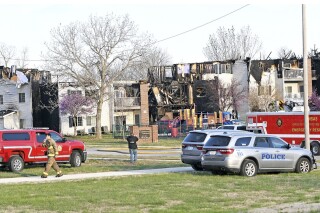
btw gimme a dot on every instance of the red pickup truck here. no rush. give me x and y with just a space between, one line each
24 146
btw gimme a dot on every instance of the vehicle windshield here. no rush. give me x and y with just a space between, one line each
218 141
195 137
226 127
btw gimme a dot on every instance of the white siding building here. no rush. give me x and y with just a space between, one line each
15 105
86 123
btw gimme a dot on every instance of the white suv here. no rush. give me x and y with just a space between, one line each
193 143
249 154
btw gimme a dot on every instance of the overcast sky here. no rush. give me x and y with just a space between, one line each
277 24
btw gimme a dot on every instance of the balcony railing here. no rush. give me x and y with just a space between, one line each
127 102
294 96
296 74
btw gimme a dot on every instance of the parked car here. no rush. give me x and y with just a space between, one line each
18 147
193 143
233 127
249 154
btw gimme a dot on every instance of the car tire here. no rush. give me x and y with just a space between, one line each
248 168
75 159
315 148
303 166
16 164
197 167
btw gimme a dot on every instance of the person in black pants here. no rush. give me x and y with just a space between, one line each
132 145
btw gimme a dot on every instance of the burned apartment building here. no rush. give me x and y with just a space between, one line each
20 98
194 86
190 87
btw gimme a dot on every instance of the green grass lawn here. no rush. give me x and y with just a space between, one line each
108 141
176 192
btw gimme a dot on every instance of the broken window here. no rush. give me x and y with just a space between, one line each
201 92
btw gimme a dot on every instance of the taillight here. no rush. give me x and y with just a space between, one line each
226 151
199 147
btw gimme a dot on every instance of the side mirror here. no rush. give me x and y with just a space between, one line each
64 139
288 146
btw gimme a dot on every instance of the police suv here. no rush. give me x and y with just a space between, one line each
193 143
249 154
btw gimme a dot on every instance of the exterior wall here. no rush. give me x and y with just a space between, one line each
240 73
64 119
130 116
144 115
10 93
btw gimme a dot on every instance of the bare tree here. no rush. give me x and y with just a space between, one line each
228 95
227 44
50 100
254 100
7 52
22 61
97 52
285 53
154 57
263 98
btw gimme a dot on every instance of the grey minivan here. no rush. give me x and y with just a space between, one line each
193 143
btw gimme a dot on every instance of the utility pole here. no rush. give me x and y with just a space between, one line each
305 78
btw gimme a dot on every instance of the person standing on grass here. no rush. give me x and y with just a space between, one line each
132 145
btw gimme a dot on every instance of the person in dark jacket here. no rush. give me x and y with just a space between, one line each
132 145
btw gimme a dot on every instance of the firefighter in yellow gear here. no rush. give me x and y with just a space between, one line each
52 151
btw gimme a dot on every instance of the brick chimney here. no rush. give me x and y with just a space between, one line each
144 103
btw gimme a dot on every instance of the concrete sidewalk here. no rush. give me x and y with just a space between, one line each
38 179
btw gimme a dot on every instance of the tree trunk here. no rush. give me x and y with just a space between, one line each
75 125
98 121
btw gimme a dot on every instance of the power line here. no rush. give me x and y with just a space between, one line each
187 31
170 37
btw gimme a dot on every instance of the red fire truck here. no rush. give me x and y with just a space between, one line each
287 125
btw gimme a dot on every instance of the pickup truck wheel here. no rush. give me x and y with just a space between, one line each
248 168
75 159
16 164
303 166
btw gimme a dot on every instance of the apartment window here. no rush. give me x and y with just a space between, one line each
269 90
91 120
78 120
21 124
301 89
288 89
22 97
1 99
136 119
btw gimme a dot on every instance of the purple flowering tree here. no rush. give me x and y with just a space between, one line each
75 105
314 101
